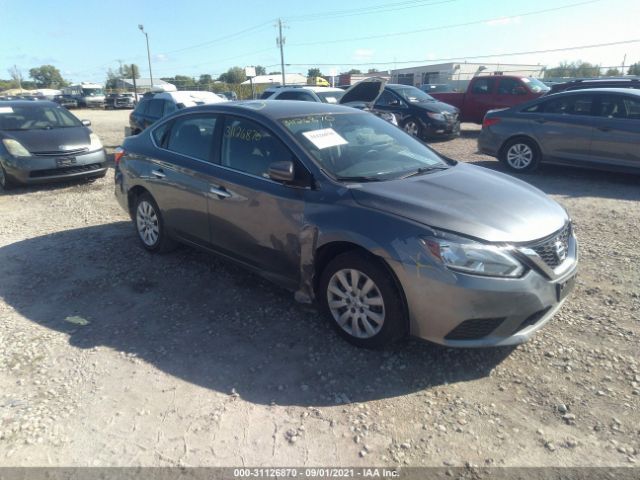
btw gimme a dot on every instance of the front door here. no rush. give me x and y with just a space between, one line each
255 219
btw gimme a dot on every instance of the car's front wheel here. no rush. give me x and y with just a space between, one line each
5 181
520 155
362 301
150 225
412 127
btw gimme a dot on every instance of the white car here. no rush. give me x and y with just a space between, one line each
305 93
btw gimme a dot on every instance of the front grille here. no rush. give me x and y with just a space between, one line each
58 153
474 328
554 251
53 172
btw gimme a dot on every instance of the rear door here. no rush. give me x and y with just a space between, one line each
616 137
180 174
564 127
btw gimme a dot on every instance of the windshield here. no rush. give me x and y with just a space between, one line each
413 95
536 85
330 97
361 147
92 92
36 118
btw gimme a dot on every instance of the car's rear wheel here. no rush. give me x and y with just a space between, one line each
412 127
361 300
150 225
520 155
5 181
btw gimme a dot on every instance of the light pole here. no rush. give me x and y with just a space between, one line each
141 27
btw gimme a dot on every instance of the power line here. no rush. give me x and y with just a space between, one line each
389 7
444 27
472 57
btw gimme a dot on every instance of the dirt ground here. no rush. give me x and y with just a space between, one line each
110 356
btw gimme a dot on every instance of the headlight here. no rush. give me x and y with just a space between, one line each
15 148
436 116
468 256
95 142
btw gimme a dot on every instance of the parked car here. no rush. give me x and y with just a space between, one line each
154 106
120 100
486 93
230 95
598 128
341 207
582 83
418 113
361 95
66 101
42 142
305 93
436 87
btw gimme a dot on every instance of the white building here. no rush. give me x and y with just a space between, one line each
458 74
276 79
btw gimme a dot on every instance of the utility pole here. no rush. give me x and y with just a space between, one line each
17 76
624 60
280 42
141 27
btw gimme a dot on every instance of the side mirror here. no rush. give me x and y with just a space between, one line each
281 171
86 123
394 103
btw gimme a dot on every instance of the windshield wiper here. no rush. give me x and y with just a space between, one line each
358 179
423 170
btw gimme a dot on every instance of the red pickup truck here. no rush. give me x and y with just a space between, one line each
491 92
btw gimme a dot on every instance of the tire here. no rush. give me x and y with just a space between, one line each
412 127
149 225
372 319
520 155
5 182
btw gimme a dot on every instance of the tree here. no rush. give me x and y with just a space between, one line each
274 73
634 69
354 71
205 80
234 75
373 70
47 76
314 72
573 69
16 76
612 72
112 80
130 71
260 70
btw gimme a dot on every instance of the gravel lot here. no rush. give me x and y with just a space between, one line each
111 356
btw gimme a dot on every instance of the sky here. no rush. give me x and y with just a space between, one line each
83 39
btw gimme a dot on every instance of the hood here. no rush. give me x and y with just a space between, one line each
366 91
437 107
54 140
469 200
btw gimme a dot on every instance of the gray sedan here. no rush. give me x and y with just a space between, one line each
595 128
44 142
344 209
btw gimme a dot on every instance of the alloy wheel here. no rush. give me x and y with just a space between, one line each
519 156
411 128
147 222
356 303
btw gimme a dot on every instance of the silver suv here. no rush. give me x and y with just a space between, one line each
304 92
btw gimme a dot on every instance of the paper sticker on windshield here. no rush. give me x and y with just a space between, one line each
325 138
6 110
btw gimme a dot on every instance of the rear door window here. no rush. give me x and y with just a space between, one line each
483 86
570 105
618 106
155 108
191 135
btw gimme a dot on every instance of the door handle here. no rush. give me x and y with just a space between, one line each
158 173
220 192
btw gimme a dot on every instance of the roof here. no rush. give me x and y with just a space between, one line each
277 109
143 82
313 88
629 91
27 103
